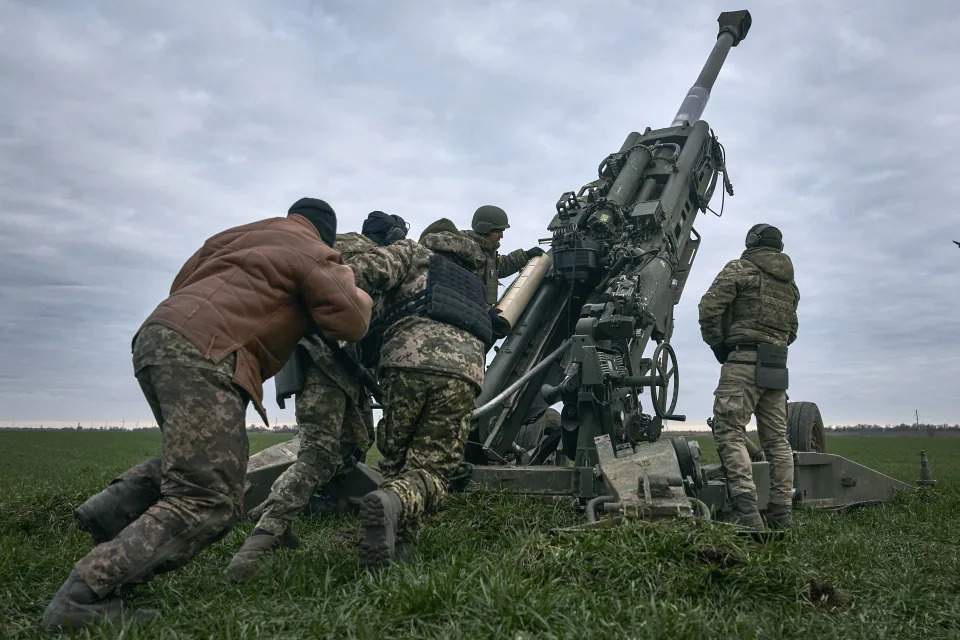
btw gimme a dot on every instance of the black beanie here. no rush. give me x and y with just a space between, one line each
320 214
379 225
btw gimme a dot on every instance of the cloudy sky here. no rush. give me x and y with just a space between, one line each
130 132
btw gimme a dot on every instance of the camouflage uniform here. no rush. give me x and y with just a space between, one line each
496 266
431 373
202 416
753 300
334 422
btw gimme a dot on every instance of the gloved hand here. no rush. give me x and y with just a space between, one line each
721 351
533 253
499 324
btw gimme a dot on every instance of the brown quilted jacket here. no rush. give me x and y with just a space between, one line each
255 290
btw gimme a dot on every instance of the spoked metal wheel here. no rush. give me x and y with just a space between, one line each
664 365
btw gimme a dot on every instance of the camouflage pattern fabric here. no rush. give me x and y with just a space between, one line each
418 343
422 436
202 417
496 266
332 426
735 399
753 299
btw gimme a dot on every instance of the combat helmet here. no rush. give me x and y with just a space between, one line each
487 218
764 235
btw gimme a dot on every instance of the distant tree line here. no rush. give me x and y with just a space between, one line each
253 428
900 428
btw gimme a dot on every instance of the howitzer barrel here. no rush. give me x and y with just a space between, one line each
733 28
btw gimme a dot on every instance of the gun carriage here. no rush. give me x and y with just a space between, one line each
582 319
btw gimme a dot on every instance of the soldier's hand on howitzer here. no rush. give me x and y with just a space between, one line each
534 252
721 351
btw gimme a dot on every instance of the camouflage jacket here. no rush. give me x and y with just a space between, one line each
495 265
349 245
753 299
399 271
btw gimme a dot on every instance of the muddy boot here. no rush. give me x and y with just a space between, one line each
76 606
380 515
109 512
252 554
745 512
779 516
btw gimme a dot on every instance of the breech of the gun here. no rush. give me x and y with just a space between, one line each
519 293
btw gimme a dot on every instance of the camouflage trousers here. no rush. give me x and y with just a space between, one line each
202 415
735 399
334 430
422 436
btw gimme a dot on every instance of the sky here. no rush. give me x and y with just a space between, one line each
131 132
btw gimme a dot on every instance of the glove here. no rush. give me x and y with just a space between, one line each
498 323
533 253
721 351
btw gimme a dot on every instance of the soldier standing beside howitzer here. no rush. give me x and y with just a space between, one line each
234 315
488 225
334 418
748 316
437 328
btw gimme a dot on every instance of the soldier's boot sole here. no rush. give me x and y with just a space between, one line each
69 612
109 512
250 557
380 516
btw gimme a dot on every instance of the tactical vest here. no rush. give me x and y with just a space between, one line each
769 308
453 295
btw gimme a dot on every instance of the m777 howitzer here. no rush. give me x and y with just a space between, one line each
581 319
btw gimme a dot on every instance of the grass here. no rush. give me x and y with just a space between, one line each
490 566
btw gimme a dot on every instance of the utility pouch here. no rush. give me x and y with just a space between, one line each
292 376
772 372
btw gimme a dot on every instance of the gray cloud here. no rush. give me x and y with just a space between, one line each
130 133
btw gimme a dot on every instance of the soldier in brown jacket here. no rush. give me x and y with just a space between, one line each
234 315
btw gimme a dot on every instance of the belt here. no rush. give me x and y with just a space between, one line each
746 347
740 362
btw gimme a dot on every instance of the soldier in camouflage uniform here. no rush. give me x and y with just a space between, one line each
234 315
488 225
334 422
432 364
753 301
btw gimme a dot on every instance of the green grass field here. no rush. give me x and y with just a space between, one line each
490 567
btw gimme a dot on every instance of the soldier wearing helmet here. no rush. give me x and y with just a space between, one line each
748 316
488 225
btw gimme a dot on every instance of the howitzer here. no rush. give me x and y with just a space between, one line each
621 249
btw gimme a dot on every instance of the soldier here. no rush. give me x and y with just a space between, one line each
437 326
334 421
748 316
488 225
234 315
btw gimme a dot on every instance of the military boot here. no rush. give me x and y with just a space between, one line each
380 515
109 512
76 606
779 516
745 512
251 555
